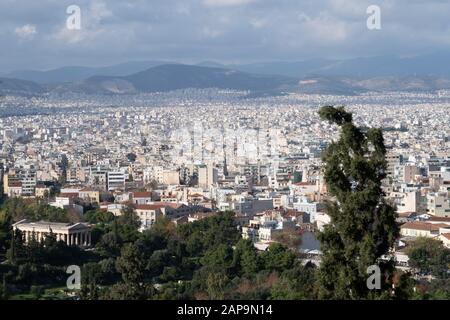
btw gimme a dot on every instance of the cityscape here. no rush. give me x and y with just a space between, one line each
174 180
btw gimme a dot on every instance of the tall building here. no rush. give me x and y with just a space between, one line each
392 160
28 179
98 178
207 176
438 204
116 180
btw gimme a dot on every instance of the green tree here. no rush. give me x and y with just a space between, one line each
220 258
216 283
126 291
295 284
91 275
16 251
128 225
429 256
245 258
363 226
4 292
5 231
99 216
278 258
37 291
131 265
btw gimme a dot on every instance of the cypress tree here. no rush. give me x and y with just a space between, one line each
362 226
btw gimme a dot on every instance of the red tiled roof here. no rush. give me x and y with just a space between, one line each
304 184
88 190
68 195
148 206
142 194
435 219
418 225
196 195
446 235
168 204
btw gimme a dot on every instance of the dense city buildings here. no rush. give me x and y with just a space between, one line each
181 156
188 158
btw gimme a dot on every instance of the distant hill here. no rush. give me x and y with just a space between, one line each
297 69
171 77
19 87
354 85
77 73
435 64
328 85
391 66
404 83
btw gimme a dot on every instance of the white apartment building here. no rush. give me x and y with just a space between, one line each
406 201
311 208
116 180
406 173
28 179
445 173
438 204
421 229
262 228
170 177
207 176
148 214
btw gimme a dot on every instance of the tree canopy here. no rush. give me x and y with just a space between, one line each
363 226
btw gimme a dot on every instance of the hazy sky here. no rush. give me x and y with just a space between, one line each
33 33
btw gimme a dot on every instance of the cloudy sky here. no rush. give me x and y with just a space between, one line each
33 34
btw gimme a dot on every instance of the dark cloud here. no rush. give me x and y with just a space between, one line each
33 33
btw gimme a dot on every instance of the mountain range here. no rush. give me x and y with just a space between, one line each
169 77
387 73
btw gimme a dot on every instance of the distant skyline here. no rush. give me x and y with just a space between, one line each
34 35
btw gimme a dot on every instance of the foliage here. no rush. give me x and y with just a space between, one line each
34 210
430 257
296 283
362 227
5 231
